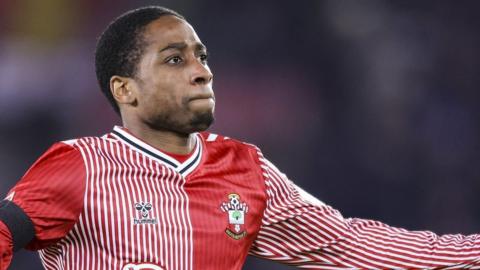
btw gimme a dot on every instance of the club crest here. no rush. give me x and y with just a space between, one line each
236 210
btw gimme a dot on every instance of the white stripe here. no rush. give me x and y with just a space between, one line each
211 137
113 197
102 208
87 206
162 202
137 197
150 230
197 156
391 243
153 194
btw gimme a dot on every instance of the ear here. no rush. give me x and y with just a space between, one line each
123 90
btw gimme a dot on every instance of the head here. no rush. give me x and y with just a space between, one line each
152 67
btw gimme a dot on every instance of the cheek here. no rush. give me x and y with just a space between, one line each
163 95
162 102
164 88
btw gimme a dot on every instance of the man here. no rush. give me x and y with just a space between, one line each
160 193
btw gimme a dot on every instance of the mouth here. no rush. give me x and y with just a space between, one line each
202 96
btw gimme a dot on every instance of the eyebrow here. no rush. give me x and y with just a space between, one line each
182 45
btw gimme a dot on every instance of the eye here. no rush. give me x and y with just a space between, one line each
204 58
174 60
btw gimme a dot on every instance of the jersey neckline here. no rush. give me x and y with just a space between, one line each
184 168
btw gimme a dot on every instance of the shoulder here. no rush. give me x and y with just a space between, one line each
216 143
216 140
66 152
80 142
85 144
57 153
58 172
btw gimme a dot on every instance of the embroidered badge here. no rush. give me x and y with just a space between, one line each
236 210
144 209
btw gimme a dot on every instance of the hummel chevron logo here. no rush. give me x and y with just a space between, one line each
144 208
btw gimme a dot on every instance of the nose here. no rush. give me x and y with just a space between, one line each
201 74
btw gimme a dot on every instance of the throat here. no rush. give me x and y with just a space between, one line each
181 158
177 146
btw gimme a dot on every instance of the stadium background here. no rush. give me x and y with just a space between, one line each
372 106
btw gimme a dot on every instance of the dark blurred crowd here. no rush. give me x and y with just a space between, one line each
371 106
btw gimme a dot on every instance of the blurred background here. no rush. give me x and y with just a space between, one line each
371 106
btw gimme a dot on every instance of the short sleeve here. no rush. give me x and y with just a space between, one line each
51 193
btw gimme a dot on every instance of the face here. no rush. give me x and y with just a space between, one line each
173 83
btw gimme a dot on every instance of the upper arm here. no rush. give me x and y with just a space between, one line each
51 193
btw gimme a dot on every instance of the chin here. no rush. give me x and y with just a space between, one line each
202 122
185 125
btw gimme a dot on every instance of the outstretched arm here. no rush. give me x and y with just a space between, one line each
298 229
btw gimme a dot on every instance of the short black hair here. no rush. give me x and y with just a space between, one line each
120 46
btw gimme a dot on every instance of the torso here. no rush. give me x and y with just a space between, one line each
144 210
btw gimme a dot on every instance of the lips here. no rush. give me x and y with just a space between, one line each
202 96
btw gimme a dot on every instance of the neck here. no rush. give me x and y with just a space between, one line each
164 140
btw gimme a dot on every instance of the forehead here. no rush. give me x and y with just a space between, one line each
169 29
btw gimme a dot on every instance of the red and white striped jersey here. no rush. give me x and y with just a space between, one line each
115 202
